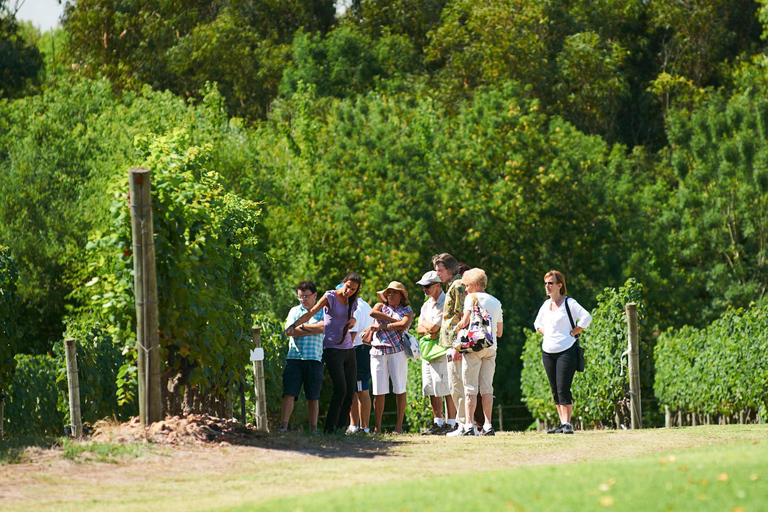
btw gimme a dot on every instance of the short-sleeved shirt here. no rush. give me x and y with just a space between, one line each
306 348
557 326
432 310
453 309
389 342
336 317
492 305
363 320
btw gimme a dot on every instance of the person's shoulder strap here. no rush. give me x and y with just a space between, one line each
568 310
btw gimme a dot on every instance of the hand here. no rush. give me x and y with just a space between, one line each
435 335
289 331
455 356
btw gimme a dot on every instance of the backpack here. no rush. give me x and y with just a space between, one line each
478 334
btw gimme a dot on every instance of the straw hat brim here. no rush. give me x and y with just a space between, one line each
394 285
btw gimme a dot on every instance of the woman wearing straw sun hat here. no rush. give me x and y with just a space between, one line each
392 316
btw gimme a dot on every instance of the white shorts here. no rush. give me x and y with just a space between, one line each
384 368
434 377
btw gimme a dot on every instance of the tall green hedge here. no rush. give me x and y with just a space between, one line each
32 401
721 369
10 304
602 390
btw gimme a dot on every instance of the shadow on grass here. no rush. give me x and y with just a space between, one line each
329 446
12 448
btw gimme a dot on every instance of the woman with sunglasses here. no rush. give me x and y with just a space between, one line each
559 352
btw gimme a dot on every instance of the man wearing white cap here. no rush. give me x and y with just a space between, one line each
434 373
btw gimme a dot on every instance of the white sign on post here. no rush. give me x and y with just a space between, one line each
257 354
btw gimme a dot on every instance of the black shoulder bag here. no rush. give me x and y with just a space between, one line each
581 362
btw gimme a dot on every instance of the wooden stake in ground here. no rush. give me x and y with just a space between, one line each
74 388
258 381
145 283
634 367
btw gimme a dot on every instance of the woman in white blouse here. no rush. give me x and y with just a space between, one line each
559 352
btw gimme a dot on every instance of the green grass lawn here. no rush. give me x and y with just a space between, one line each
730 477
719 468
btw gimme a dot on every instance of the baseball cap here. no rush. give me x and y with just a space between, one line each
429 278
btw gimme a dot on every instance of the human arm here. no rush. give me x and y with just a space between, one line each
426 328
582 318
309 328
538 324
379 315
499 329
291 329
464 322
401 325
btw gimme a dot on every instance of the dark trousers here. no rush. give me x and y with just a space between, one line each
342 368
560 368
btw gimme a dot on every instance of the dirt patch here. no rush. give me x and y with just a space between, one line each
180 430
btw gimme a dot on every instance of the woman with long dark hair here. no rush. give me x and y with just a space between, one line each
338 352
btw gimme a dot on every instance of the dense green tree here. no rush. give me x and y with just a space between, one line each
403 17
20 60
182 44
719 239
347 62
10 306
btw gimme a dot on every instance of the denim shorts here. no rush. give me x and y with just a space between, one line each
299 372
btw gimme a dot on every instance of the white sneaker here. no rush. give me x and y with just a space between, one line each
459 431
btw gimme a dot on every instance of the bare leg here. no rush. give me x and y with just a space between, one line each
470 402
354 412
313 411
400 401
450 407
378 410
456 384
567 412
487 406
437 406
364 399
288 401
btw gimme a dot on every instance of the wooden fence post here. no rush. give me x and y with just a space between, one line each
259 385
501 418
242 402
634 367
145 284
74 388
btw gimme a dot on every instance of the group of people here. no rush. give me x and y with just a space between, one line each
360 345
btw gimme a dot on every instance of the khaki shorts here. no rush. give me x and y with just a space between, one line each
434 377
477 368
457 388
392 366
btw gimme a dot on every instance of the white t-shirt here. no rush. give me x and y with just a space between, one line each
492 305
363 320
432 310
557 326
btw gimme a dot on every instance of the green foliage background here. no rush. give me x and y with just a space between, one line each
721 369
610 139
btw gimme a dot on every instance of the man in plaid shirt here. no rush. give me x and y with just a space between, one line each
303 365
